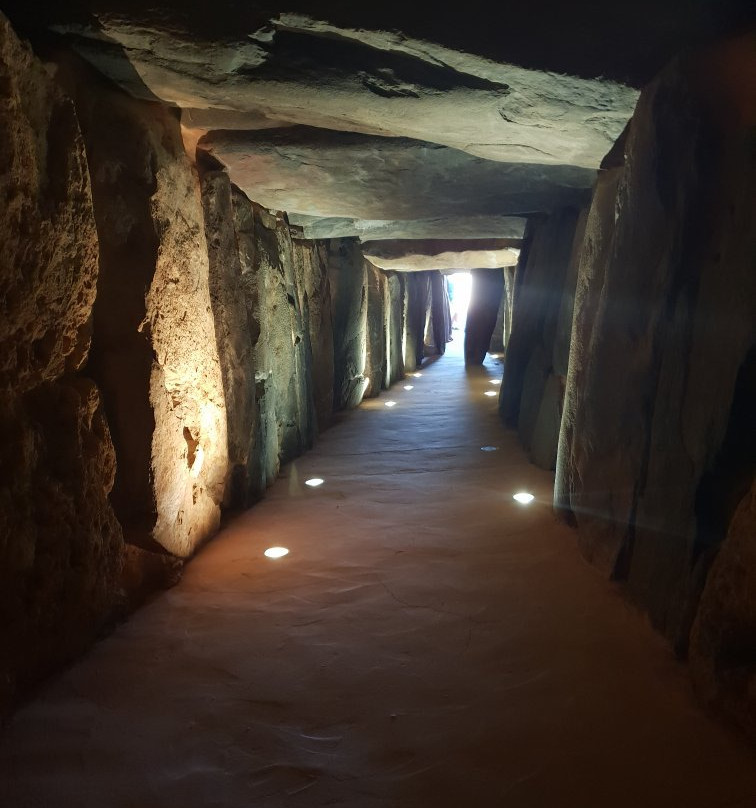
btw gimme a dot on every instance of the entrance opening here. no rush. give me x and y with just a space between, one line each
459 286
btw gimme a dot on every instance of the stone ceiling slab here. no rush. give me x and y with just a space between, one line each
460 227
416 255
307 72
344 175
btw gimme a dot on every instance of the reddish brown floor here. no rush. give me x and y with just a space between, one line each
428 642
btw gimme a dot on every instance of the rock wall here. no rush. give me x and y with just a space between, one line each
657 442
234 325
61 548
377 331
485 302
397 329
154 349
144 302
348 274
535 366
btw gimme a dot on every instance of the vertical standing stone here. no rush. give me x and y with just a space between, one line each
61 547
233 337
665 324
485 297
376 331
347 272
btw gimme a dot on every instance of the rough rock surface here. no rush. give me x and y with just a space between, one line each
302 169
417 304
543 281
367 81
60 544
347 271
503 327
673 326
723 640
397 292
458 255
233 335
154 349
311 261
282 348
460 227
485 299
599 538
377 332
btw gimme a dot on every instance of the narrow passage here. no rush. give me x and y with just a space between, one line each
427 642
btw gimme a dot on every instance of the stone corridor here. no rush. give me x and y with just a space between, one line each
427 642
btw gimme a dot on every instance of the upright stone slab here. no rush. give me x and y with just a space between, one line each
376 331
415 319
440 314
311 258
154 351
233 337
540 286
485 298
662 336
347 273
396 302
61 547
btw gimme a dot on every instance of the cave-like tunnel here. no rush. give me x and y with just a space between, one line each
263 538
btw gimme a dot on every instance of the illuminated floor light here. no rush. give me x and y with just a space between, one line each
494 381
390 404
277 552
490 393
409 386
523 497
489 448
417 375
314 482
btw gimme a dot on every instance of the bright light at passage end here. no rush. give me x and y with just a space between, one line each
490 393
391 403
277 552
314 482
523 497
409 386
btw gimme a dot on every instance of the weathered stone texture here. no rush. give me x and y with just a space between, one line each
280 333
154 351
375 359
416 306
233 337
397 290
311 258
347 271
485 300
663 327
542 304
60 544
723 640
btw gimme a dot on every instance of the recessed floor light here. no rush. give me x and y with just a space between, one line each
277 552
417 375
314 482
489 448
494 381
490 393
523 497
390 404
409 386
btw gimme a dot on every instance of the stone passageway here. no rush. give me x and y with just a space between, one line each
427 642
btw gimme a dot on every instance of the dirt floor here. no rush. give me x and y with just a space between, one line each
428 642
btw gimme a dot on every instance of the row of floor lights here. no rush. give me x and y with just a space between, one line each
523 497
280 552
315 482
